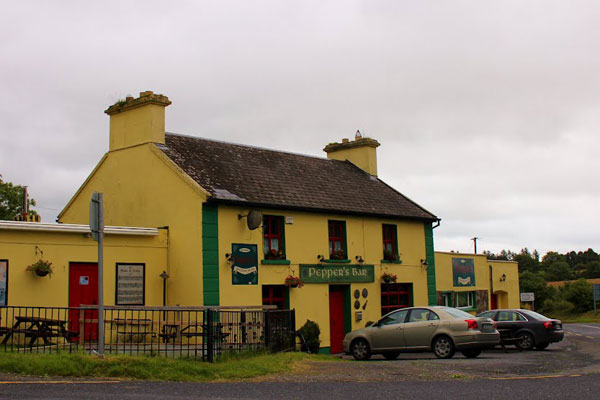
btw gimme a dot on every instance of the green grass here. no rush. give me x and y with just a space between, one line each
588 317
151 368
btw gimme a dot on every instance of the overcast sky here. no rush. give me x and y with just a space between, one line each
488 113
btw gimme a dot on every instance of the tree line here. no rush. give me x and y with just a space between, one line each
535 273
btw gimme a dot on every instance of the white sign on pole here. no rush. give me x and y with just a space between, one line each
528 296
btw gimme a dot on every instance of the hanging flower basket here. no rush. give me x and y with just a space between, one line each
389 278
41 268
391 256
274 255
293 282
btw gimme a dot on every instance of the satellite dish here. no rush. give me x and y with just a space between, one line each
254 219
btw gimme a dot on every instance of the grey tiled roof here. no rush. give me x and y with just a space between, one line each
254 176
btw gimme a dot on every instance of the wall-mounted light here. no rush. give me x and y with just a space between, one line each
321 257
503 278
424 264
359 259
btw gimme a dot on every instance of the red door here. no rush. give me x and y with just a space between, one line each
494 302
336 319
83 290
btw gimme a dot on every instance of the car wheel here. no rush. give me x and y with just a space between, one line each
542 346
443 347
391 355
360 349
471 353
525 341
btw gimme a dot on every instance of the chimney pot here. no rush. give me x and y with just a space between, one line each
128 98
146 93
345 140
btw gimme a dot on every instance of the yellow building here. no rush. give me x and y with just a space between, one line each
474 283
241 220
134 258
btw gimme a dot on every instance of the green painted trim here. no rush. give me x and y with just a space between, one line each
286 293
324 350
391 262
337 261
275 262
347 310
210 254
430 256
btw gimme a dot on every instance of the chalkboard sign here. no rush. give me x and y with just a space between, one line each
130 284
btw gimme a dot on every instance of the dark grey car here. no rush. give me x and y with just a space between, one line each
526 329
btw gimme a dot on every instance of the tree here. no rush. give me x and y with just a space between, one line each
558 271
579 293
11 200
535 282
527 261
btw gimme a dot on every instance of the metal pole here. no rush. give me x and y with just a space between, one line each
474 239
101 276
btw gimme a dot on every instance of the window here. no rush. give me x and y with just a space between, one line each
274 295
395 318
510 316
395 296
3 282
390 243
446 299
464 300
337 240
421 314
273 237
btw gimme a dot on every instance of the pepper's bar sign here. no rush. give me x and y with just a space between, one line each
337 273
3 282
244 264
463 270
130 284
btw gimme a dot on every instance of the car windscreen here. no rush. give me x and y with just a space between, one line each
536 315
456 313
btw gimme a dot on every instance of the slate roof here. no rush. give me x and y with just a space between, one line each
254 176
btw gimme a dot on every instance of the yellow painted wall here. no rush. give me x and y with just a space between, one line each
306 238
507 290
136 126
142 187
364 157
23 248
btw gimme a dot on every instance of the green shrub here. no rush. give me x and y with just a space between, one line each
558 307
310 334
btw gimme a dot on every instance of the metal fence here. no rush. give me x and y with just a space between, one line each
195 332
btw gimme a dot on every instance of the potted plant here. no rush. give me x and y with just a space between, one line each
337 255
309 335
388 277
273 254
40 268
293 281
389 255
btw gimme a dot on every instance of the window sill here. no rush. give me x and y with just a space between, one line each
275 262
336 261
391 262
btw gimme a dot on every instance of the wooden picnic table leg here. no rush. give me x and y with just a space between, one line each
10 333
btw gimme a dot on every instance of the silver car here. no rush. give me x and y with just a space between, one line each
442 330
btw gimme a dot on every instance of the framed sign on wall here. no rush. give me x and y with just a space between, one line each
244 267
130 282
3 282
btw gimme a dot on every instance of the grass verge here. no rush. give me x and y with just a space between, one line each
151 368
588 317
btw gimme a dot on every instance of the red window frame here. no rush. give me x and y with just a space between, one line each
390 239
274 295
272 230
337 235
394 296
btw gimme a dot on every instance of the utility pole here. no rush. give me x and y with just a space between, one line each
474 239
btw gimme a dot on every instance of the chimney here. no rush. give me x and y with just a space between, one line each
136 121
361 152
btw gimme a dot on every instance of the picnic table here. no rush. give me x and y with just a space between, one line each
38 328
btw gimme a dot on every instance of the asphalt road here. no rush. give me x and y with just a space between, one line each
566 370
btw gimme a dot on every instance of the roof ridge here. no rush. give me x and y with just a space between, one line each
250 146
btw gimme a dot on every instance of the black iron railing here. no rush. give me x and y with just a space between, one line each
195 332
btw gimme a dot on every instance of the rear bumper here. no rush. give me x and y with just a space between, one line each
477 340
556 336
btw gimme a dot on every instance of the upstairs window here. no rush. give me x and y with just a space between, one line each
337 240
273 237
390 243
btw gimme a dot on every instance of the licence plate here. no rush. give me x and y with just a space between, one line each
486 327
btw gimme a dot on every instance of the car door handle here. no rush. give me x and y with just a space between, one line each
432 324
399 328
